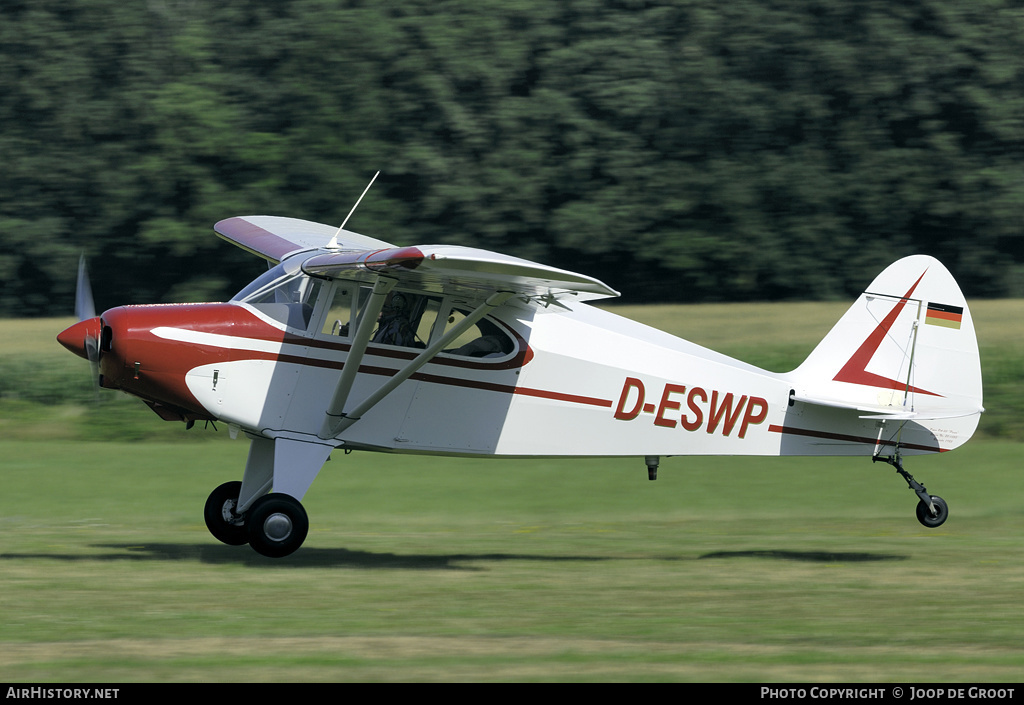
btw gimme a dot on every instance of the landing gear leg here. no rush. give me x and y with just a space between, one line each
931 510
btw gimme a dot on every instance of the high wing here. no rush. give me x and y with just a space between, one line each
274 238
452 269
489 279
446 269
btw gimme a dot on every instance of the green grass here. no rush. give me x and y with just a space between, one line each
437 569
433 569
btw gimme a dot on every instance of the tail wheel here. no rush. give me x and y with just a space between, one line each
925 516
277 525
226 526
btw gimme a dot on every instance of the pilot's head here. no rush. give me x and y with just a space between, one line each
396 305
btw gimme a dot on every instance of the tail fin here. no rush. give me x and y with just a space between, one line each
906 349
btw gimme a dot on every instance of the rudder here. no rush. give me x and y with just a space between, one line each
906 349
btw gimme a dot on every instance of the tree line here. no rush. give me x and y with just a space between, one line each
686 150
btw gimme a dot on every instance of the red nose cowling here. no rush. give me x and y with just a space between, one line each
74 337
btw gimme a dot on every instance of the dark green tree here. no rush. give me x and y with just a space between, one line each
680 151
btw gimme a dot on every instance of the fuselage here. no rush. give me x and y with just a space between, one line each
525 380
579 382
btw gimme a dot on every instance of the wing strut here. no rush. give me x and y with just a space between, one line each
335 423
336 410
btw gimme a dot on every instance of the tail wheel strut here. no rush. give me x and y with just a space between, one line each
931 510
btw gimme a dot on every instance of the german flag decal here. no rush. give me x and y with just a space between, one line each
944 315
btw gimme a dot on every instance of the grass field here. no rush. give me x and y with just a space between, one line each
432 569
429 569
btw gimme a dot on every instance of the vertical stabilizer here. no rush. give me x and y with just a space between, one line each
906 349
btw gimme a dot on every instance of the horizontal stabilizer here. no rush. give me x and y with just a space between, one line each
886 413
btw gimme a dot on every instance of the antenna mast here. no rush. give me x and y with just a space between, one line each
334 240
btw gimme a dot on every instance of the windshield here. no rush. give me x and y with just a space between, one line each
284 293
289 269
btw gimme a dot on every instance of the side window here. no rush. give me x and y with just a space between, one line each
410 320
339 311
428 317
484 339
406 320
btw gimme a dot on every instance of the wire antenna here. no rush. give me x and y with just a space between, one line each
334 240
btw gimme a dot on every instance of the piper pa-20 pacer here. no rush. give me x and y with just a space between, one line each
348 342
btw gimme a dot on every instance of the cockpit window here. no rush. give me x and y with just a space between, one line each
339 313
284 293
406 320
483 339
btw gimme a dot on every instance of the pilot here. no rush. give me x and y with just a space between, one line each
489 344
395 327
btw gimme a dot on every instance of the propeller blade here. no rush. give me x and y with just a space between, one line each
92 351
85 310
84 306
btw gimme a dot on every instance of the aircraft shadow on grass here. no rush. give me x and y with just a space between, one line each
368 560
809 556
309 557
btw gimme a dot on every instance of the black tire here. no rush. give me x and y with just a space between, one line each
941 512
277 525
220 518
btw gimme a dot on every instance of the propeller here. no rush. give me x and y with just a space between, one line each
83 338
84 306
85 309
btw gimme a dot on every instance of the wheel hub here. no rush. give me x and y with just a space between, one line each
278 526
227 511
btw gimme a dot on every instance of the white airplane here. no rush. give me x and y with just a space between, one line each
351 343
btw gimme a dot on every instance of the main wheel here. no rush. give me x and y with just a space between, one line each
941 512
226 526
277 525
